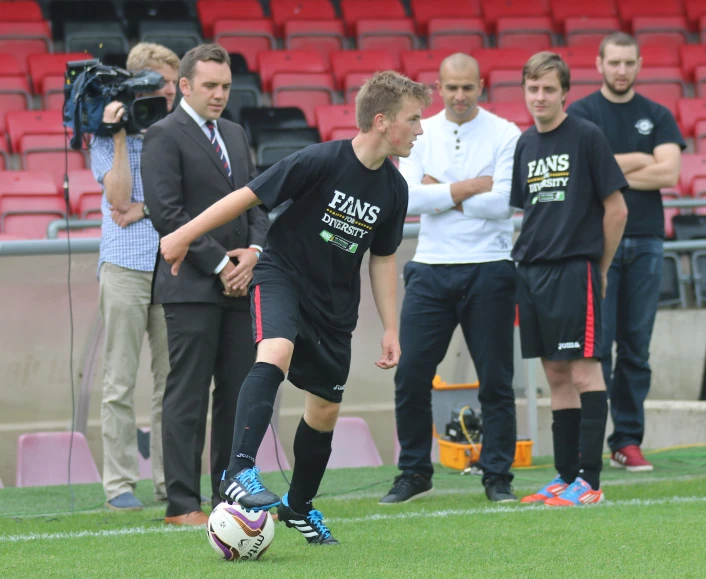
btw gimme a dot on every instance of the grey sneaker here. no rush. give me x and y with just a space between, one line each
407 487
125 502
498 489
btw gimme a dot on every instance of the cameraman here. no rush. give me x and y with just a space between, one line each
126 264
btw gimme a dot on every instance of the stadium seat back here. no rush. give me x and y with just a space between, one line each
330 117
457 34
304 91
247 37
345 62
322 36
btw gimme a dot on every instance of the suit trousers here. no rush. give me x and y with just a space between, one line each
205 341
124 302
480 297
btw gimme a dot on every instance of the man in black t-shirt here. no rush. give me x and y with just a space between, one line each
344 197
568 185
647 144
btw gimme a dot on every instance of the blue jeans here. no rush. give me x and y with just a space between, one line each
629 312
481 298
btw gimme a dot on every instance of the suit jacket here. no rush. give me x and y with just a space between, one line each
182 176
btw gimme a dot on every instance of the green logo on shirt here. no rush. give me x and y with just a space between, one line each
339 242
548 197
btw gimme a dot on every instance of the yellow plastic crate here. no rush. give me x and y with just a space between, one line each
461 456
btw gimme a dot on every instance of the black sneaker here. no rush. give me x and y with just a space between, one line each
498 489
246 489
407 487
311 525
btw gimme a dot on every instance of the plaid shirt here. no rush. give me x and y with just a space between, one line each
135 246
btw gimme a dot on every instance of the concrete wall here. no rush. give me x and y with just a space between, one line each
35 392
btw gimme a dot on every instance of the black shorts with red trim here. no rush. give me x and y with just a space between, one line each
560 309
322 356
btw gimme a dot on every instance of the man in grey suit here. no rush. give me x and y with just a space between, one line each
190 160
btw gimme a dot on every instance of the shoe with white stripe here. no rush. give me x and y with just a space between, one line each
311 526
577 493
246 489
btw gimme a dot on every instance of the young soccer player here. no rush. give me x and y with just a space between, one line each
568 184
344 197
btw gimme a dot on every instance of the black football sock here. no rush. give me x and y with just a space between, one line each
312 450
253 414
594 414
565 430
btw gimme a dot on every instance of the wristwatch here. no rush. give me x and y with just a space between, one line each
145 209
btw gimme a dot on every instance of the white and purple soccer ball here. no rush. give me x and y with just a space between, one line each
236 534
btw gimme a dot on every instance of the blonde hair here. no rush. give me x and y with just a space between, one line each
383 93
541 63
148 55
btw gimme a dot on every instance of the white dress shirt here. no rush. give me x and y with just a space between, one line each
449 153
201 122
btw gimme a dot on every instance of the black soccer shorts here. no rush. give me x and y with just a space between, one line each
322 355
560 309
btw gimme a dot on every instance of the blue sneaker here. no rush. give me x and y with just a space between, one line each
553 489
246 489
125 502
311 526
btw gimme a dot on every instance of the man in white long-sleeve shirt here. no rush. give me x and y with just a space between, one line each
459 176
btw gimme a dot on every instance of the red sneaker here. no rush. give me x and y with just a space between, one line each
630 458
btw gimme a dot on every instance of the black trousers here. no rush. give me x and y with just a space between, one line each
205 341
480 297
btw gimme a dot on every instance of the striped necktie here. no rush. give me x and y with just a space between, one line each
221 155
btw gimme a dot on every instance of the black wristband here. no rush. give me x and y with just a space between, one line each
112 128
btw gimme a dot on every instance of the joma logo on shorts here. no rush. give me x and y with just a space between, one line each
340 387
569 345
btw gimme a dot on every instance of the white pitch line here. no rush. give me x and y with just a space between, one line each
132 531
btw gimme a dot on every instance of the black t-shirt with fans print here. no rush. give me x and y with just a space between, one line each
337 209
639 125
560 180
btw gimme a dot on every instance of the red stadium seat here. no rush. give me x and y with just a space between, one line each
425 10
694 10
702 28
700 137
661 84
588 32
24 123
30 215
578 56
352 83
515 112
14 183
491 59
670 212
630 9
691 111
287 10
377 11
14 96
345 133
43 65
514 9
584 81
505 86
391 36
693 166
22 11
457 34
348 61
692 56
535 33
4 157
272 62
666 30
700 81
24 38
10 65
85 193
48 153
561 9
305 91
416 61
211 10
429 78
247 37
323 36
53 96
331 117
